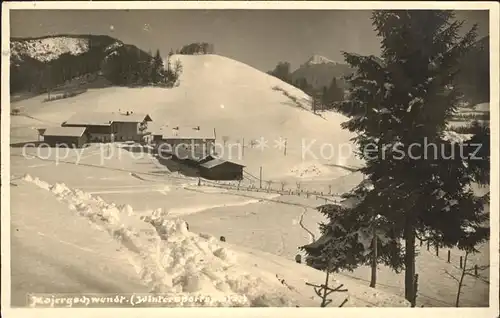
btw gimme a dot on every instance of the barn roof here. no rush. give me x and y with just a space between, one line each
64 131
89 119
130 117
192 154
217 162
105 119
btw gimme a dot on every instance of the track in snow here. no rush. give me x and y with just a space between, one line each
312 238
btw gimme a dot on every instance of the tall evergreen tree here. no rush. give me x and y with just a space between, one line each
169 66
334 93
303 85
324 95
157 68
399 106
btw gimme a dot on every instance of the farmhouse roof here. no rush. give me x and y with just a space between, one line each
130 117
105 119
64 131
217 162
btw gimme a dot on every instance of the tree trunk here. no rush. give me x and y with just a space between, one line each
461 282
325 290
373 280
410 261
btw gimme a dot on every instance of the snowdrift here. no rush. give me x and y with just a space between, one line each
199 269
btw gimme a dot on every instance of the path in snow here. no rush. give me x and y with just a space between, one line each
311 234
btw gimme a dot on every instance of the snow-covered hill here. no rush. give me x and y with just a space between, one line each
236 100
319 71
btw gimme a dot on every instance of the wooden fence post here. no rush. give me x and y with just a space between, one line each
449 256
461 261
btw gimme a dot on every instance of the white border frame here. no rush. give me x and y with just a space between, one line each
492 311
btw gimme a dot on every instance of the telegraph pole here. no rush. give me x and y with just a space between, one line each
260 178
243 148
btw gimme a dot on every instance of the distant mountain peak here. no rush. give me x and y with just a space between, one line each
318 71
319 59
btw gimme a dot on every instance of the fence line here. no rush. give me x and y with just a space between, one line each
448 256
250 188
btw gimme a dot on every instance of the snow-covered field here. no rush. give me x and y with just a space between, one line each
271 227
118 189
112 241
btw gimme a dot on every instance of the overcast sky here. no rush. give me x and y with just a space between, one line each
260 38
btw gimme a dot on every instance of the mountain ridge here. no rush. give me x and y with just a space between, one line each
38 64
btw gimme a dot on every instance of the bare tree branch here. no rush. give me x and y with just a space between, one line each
451 276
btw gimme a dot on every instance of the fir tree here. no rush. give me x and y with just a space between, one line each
157 68
303 85
324 95
348 239
334 93
399 106
169 66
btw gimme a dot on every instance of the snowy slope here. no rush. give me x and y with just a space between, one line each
170 259
236 100
53 251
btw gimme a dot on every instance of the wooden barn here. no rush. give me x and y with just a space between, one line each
176 137
218 169
108 127
68 136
